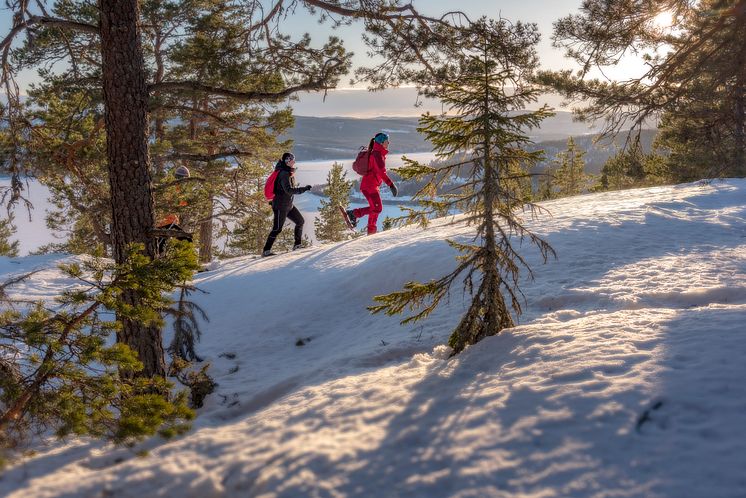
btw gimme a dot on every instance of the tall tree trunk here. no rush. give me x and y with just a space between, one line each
125 102
205 227
739 159
205 235
159 125
496 317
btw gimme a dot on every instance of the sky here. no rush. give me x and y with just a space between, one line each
623 377
541 12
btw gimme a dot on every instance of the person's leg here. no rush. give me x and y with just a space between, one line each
374 201
360 212
277 222
297 218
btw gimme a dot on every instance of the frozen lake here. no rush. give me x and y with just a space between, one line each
314 172
36 234
30 224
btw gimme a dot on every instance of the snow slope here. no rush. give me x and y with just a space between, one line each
624 378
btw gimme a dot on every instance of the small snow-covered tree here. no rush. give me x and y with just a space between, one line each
485 91
329 226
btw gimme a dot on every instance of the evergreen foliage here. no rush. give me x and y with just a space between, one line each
570 177
631 167
8 248
484 85
187 331
61 371
695 77
117 52
200 384
329 226
67 153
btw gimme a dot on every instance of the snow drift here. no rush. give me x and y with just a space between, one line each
625 376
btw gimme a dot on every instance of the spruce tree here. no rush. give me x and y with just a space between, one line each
112 32
485 93
613 173
329 226
570 177
546 184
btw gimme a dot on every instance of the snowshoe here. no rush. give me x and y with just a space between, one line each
349 217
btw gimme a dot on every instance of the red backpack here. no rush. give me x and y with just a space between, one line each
360 164
269 187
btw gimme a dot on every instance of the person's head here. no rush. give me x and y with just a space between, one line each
181 172
382 139
289 159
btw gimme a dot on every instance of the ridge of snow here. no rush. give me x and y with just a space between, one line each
623 378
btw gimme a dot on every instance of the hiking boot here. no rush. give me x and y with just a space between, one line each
297 246
267 253
351 216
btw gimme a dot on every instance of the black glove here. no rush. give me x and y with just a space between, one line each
306 188
394 190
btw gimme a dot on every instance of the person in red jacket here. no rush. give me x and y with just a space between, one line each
371 183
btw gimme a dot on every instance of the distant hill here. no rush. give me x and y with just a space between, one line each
339 137
596 154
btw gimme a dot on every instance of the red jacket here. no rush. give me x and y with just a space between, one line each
376 170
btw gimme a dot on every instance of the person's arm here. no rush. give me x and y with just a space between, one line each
380 166
284 180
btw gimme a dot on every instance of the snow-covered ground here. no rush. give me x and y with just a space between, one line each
625 376
32 232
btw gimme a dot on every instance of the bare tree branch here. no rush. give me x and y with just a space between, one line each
195 86
51 22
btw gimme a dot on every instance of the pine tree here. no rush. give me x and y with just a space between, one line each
8 248
68 155
485 85
329 226
62 372
112 33
570 177
695 75
220 132
631 167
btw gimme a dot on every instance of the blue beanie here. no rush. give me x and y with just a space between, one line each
381 137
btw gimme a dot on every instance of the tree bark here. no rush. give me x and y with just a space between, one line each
205 235
160 124
125 101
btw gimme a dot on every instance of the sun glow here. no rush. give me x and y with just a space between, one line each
664 19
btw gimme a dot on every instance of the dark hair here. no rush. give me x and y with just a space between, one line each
288 156
370 145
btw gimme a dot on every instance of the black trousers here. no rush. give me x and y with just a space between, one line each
279 220
161 241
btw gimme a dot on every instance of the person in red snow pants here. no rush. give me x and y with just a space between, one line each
371 183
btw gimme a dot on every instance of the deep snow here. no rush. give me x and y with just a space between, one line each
625 376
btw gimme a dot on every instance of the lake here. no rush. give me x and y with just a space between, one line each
33 233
